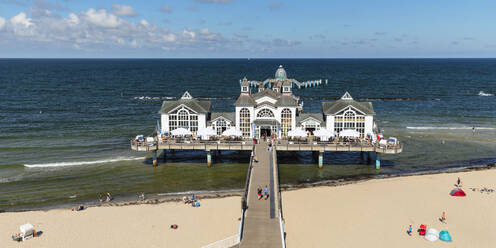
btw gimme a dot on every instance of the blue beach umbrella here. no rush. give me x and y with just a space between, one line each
445 236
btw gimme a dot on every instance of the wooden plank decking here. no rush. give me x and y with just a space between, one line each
261 224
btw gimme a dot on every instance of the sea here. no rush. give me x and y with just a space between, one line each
66 124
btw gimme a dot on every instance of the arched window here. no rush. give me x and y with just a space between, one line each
244 122
286 121
220 126
265 113
183 119
349 119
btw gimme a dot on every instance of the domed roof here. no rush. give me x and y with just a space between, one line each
281 73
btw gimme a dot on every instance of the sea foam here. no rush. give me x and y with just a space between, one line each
482 93
102 161
451 128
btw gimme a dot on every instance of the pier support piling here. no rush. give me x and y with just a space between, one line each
321 159
155 163
209 158
377 162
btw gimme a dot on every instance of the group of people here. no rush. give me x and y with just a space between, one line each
193 201
265 192
107 199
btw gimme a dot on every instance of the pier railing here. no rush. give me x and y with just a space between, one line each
279 195
338 146
244 199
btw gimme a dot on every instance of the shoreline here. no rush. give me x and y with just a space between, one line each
158 198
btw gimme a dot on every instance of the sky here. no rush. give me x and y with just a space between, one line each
247 29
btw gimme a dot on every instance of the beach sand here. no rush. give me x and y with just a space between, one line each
377 213
146 225
374 213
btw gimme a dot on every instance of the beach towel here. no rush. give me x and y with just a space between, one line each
445 236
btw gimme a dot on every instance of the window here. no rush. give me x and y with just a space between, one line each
193 123
183 119
244 122
349 119
265 113
244 89
220 126
286 89
172 122
286 121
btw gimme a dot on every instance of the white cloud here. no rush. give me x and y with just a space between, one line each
2 23
73 19
144 22
123 10
102 18
21 20
169 37
21 25
189 34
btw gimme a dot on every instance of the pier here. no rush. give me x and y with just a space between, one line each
368 150
262 224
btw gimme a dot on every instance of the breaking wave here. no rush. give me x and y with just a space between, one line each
482 93
102 161
451 128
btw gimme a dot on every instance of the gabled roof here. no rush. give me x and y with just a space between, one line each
267 92
245 100
331 108
287 100
227 115
304 116
266 103
201 107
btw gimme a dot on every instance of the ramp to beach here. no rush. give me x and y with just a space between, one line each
262 222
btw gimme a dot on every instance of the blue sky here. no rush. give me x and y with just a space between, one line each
240 29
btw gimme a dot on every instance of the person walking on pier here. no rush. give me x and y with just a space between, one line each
259 192
266 192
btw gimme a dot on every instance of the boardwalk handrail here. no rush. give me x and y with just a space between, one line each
244 204
244 200
225 243
281 216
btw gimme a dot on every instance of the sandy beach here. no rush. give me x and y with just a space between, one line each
146 225
374 213
377 213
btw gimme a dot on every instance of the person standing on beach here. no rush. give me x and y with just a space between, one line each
458 182
443 217
473 130
409 230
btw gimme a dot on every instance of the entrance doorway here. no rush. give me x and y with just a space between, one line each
265 131
310 130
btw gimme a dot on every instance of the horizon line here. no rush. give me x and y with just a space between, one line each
247 58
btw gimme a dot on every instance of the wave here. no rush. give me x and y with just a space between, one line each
452 128
380 99
102 161
482 93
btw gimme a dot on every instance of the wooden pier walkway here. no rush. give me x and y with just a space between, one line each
262 226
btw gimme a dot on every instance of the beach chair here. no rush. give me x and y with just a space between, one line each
422 230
